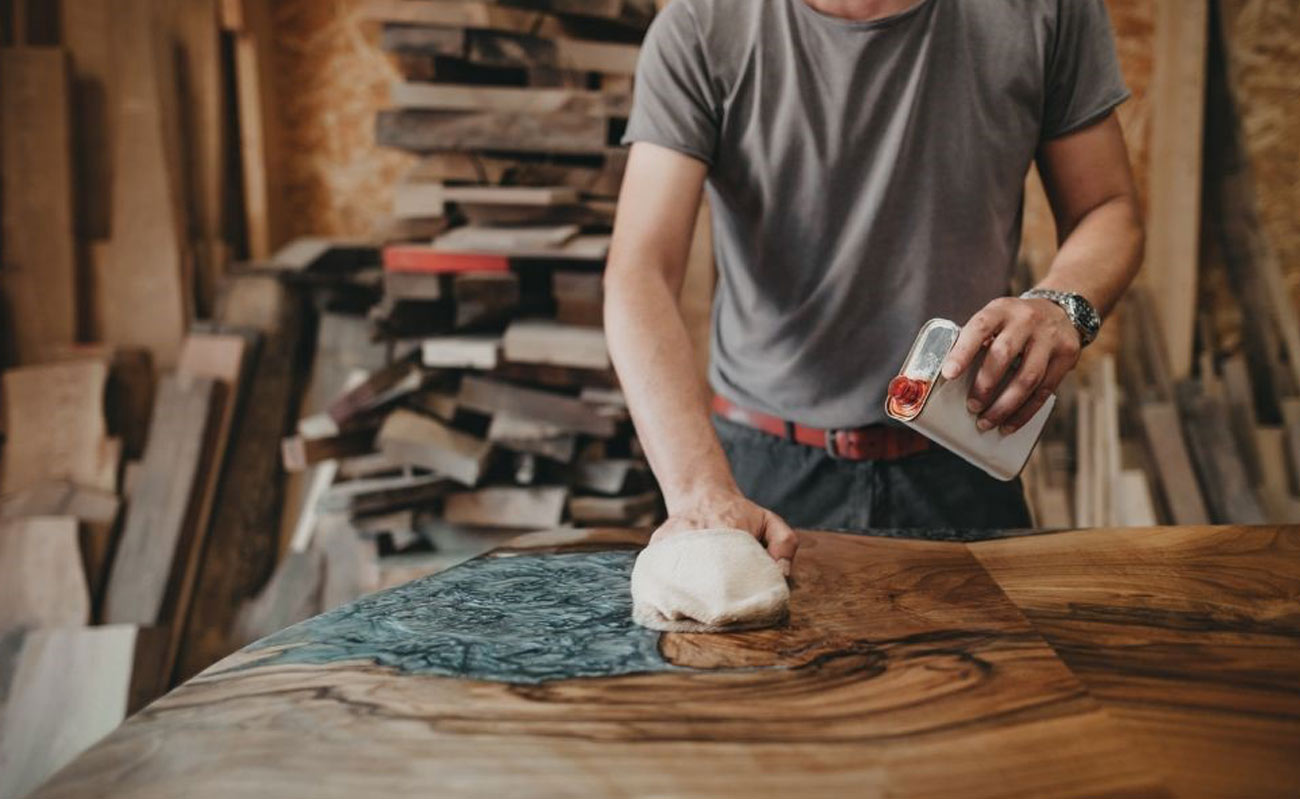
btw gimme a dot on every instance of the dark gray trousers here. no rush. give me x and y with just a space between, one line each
933 490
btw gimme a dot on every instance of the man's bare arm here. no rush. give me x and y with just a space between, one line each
651 350
1099 224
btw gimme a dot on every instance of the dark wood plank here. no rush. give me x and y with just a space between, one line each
151 582
1223 474
1181 633
36 179
429 131
243 540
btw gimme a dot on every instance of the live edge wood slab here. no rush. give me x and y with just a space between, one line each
1104 663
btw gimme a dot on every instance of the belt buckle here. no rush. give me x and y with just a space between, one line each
832 446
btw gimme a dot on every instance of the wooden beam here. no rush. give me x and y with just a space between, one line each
243 540
1174 213
409 437
431 131
42 583
38 261
85 36
567 413
148 263
148 585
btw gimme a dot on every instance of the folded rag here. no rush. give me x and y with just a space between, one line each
711 580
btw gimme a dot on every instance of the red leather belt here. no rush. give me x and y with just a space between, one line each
875 442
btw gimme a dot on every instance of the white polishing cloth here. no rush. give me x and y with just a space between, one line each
708 581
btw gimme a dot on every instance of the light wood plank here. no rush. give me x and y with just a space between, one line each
531 100
492 397
547 342
1163 433
1174 199
408 437
507 506
42 583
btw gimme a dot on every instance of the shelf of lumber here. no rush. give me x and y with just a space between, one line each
1098 663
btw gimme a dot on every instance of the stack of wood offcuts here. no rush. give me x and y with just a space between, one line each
462 392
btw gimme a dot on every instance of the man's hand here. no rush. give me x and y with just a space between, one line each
732 509
1036 338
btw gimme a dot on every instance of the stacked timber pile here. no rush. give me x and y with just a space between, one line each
462 392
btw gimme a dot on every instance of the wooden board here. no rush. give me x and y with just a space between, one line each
148 263
1163 434
261 151
507 506
54 416
69 689
1174 198
1178 632
42 583
85 36
152 579
36 179
454 97
544 341
904 671
430 131
461 13
96 512
243 539
491 397
411 438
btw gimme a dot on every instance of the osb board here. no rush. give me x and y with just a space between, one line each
331 80
1263 55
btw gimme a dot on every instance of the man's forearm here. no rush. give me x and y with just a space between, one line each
652 354
1101 255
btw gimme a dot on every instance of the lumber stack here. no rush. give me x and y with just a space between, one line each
473 400
514 108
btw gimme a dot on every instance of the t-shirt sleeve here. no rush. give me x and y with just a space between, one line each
672 103
1084 82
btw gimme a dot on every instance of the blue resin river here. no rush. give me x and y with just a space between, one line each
516 619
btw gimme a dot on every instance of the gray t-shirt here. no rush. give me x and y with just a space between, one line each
864 176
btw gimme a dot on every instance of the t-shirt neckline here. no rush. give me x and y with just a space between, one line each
861 24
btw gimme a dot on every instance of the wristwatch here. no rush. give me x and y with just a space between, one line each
1085 317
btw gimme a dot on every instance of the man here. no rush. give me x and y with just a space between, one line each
865 162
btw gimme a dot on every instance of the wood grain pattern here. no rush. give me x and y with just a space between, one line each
905 672
1190 636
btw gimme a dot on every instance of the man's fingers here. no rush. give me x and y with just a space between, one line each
981 327
1020 389
1057 369
780 540
1002 353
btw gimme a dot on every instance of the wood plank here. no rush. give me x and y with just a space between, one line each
299 452
431 131
85 36
147 262
1228 492
507 506
958 696
492 397
95 511
1175 631
544 341
1163 434
377 389
458 13
509 99
265 208
412 285
151 580
509 195
1291 423
485 300
36 179
1241 414
54 416
421 258
536 438
1174 199
201 103
512 239
70 688
628 510
42 583
383 494
607 476
409 437
243 539
461 352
